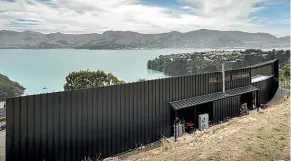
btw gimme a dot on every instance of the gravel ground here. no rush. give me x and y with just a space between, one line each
2 145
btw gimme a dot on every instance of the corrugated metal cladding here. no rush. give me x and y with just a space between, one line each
177 105
267 90
109 120
241 90
229 107
184 103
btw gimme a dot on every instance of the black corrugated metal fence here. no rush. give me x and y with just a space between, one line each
71 125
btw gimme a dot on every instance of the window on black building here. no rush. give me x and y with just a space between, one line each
245 75
236 76
213 79
227 78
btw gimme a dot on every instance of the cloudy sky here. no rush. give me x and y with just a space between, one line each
145 16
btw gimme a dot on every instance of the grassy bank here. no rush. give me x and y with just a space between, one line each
260 136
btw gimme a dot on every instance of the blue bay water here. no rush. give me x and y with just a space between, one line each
36 69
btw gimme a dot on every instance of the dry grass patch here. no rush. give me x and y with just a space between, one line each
258 136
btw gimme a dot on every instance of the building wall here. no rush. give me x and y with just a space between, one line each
229 107
267 89
109 120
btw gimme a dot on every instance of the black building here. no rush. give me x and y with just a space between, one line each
71 125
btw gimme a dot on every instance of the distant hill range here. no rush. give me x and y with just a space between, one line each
132 40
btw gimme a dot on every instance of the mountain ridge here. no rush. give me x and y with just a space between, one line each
202 38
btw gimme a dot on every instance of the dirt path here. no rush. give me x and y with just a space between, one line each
259 136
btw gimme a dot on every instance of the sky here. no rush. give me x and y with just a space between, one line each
145 16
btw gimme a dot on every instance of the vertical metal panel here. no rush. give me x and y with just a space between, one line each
182 85
137 114
9 127
162 104
194 85
122 118
50 126
84 123
30 127
168 115
198 84
229 107
44 131
214 112
114 116
74 142
130 140
127 118
37 128
109 120
56 113
131 118
206 79
171 89
16 128
150 115
68 132
118 120
203 83
154 107
104 122
100 121
193 89
178 87
182 88
90 122
147 112
143 109
94 122
157 110
188 86
133 115
62 125
230 110
24 134
79 117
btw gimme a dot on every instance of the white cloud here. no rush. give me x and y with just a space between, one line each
86 16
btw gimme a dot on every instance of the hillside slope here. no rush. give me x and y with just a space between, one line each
257 137
133 40
9 88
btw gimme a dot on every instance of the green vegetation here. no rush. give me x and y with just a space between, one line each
90 79
9 88
285 76
286 71
141 80
201 62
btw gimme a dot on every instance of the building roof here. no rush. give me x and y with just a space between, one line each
259 78
241 90
184 103
198 100
263 63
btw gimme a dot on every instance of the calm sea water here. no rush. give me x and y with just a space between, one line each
36 69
